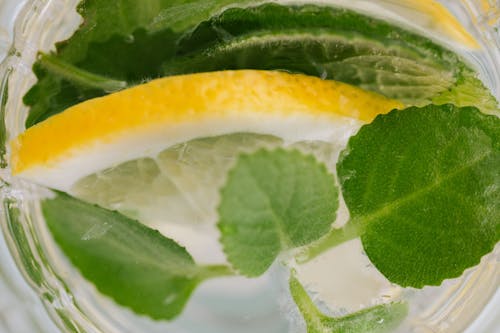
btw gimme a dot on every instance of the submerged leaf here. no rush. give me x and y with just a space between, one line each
274 201
135 265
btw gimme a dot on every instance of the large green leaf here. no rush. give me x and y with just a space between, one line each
423 187
274 201
376 319
135 265
331 43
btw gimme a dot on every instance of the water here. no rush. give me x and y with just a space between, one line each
247 305
222 305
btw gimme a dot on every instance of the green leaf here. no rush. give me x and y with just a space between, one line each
274 201
123 40
332 43
135 265
377 319
423 187
469 91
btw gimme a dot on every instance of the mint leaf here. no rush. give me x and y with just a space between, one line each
135 265
274 201
380 318
332 43
422 187
125 40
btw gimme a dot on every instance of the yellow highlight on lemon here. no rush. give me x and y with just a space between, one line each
171 101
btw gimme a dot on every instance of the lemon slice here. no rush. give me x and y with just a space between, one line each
162 148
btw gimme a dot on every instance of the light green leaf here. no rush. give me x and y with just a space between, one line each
377 319
274 201
181 185
135 265
423 187
469 91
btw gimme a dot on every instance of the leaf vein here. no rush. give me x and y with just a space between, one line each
394 205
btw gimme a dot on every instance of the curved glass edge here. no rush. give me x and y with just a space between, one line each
483 18
489 319
26 312
485 24
9 10
21 308
39 302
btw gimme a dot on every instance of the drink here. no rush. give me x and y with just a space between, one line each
269 290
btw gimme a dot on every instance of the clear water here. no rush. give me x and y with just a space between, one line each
342 280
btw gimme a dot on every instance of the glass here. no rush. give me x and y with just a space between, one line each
468 303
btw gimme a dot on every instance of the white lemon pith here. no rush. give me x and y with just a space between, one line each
160 152
144 120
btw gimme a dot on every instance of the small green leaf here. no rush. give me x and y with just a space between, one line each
423 187
377 319
136 266
274 201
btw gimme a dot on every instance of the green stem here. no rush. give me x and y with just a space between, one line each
334 238
306 306
215 271
379 318
75 74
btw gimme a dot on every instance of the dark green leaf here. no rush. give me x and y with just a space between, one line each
331 43
423 186
377 319
274 201
125 40
136 266
104 20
